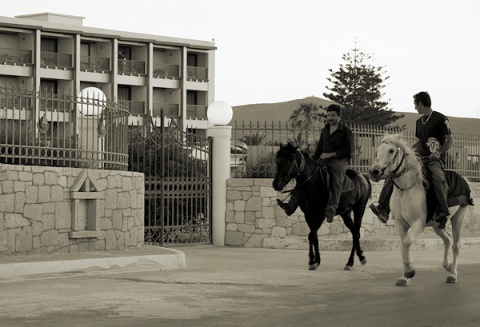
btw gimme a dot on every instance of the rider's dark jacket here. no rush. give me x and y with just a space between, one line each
340 142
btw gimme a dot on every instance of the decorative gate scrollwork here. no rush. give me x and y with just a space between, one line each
177 170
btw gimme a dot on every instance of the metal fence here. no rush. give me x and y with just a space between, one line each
178 184
49 129
262 141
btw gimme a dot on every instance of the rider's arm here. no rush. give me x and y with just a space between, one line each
447 145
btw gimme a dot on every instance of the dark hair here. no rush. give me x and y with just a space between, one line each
423 98
336 108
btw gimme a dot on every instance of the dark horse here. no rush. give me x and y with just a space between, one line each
311 190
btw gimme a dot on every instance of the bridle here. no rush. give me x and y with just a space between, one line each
300 169
295 165
396 173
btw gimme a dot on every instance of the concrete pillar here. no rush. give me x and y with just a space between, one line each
219 114
221 172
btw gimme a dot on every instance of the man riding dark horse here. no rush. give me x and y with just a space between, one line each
334 150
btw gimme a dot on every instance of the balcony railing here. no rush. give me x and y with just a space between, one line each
196 112
64 131
131 67
169 110
15 57
55 60
94 64
56 102
23 100
197 73
166 71
134 107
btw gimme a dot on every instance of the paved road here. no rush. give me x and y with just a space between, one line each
252 287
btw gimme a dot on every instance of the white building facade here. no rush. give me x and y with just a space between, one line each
147 74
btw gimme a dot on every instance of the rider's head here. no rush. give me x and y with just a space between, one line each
334 112
422 98
336 108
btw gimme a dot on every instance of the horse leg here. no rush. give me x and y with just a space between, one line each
407 236
354 228
314 253
447 242
358 217
457 224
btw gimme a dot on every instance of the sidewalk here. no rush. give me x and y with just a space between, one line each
143 258
158 258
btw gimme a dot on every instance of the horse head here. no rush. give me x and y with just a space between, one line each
287 166
393 158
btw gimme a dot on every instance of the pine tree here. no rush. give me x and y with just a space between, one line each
357 87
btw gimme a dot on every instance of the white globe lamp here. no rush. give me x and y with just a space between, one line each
219 113
91 101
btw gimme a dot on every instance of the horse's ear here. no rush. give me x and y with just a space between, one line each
291 146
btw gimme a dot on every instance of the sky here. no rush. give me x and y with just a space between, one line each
280 50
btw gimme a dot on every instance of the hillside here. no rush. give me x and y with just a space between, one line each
281 111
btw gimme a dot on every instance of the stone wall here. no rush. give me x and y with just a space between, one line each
253 218
48 209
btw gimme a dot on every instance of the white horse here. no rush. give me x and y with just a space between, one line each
408 203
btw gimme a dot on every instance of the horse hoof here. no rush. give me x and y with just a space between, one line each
364 261
409 274
451 279
347 267
402 281
313 266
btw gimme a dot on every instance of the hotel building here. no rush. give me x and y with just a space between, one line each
55 54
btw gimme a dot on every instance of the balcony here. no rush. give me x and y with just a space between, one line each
15 99
134 107
59 135
197 73
196 112
131 67
60 104
94 64
55 60
169 110
166 71
15 57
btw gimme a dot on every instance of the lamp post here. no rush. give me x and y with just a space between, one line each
219 114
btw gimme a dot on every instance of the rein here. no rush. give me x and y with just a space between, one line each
300 170
395 174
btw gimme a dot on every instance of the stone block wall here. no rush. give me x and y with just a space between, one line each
48 209
253 219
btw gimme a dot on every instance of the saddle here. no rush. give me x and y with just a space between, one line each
458 192
347 181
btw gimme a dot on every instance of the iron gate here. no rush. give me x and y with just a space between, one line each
177 170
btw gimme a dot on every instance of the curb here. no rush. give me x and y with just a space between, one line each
393 244
173 259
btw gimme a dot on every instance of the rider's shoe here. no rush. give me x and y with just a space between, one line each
441 220
379 212
329 213
286 207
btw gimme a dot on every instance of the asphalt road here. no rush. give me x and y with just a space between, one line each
252 287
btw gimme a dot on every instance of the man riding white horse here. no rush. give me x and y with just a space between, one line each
434 140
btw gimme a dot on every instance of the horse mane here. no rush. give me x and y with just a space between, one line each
412 159
291 147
